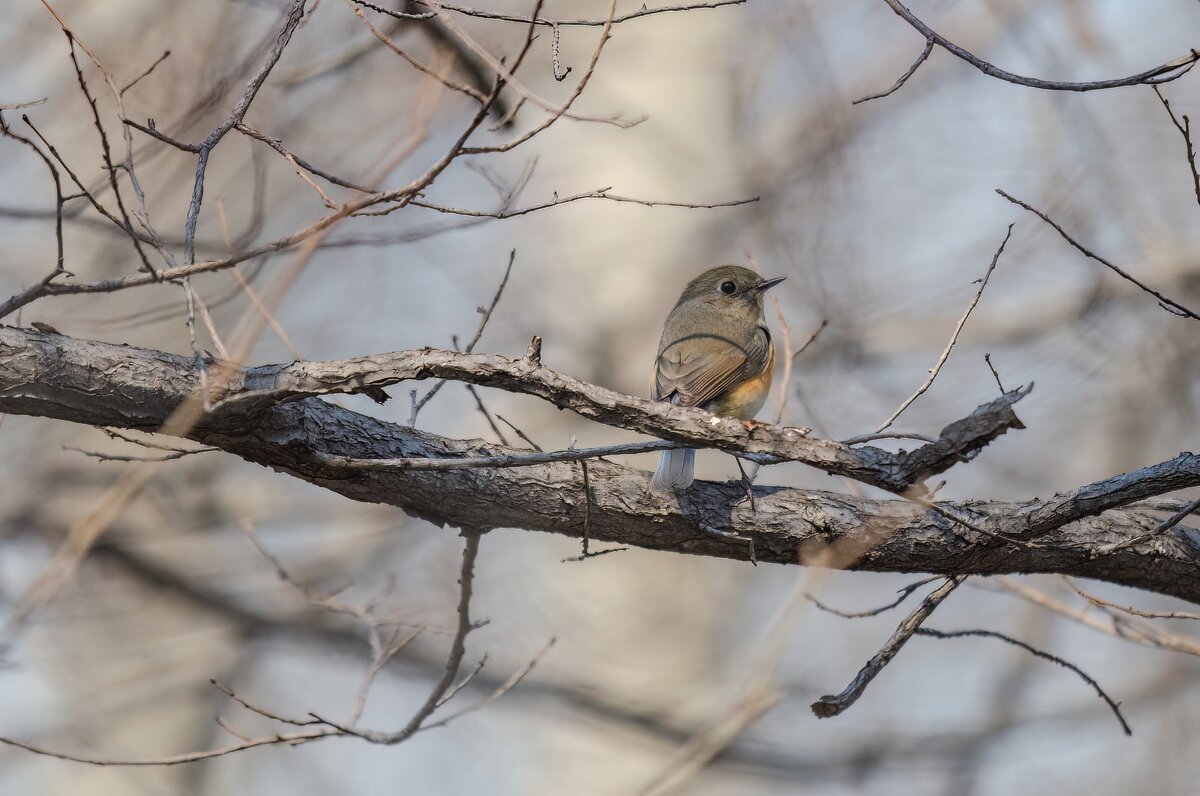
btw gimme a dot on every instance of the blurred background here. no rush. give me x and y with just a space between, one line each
882 215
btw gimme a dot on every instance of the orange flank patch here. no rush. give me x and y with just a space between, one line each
744 400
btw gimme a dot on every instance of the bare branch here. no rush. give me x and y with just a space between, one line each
895 472
296 161
486 315
1094 600
831 705
292 18
903 593
1112 623
600 193
900 81
453 660
1169 71
1185 130
16 106
59 268
1116 709
474 93
937 367
644 11
1170 305
1078 533
145 73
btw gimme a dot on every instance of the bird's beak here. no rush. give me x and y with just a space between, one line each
767 284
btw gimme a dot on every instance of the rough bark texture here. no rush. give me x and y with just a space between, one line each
271 416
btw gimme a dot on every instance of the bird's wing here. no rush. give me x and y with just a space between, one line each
696 369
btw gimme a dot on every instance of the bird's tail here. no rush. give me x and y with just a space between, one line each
674 470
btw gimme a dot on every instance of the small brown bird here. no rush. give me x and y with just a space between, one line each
715 353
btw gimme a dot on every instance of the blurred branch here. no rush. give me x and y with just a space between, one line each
478 94
1082 532
506 74
1094 600
1110 622
779 761
16 106
313 727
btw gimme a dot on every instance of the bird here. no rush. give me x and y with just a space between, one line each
715 353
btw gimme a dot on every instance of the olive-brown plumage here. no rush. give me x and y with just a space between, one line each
715 353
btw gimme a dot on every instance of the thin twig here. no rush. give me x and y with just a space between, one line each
502 71
1097 601
988 359
457 649
587 507
474 93
937 368
106 152
1114 706
929 45
643 11
519 432
599 193
504 460
1179 517
486 314
1169 71
146 73
559 74
831 705
486 414
861 438
1112 623
16 106
1170 305
500 690
558 113
300 164
110 457
1185 130
903 595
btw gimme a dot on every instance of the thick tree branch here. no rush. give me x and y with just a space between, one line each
895 472
1090 532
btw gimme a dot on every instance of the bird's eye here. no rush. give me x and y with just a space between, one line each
728 288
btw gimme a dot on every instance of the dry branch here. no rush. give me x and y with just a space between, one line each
831 705
894 472
1085 532
1165 73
